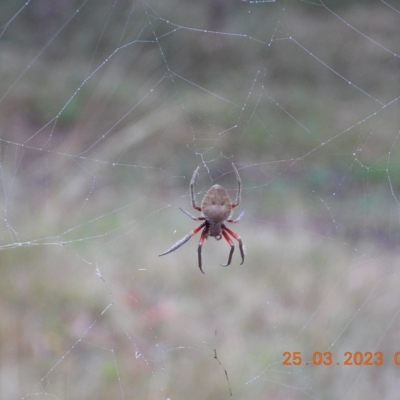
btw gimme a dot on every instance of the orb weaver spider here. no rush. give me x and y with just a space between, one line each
216 208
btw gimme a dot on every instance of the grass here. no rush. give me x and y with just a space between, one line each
297 291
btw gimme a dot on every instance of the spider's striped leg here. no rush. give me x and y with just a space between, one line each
225 232
203 237
182 241
192 216
195 206
234 221
229 240
239 189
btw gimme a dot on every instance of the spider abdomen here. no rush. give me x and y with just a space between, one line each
216 206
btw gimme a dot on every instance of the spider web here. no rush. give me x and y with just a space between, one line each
107 108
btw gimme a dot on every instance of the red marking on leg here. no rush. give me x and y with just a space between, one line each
233 234
227 238
203 236
198 229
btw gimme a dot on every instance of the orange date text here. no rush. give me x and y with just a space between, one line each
367 358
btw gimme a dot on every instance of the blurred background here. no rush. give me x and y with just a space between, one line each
107 108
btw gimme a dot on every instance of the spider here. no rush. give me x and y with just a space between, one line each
216 208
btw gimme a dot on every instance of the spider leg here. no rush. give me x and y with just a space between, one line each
238 238
229 240
192 216
234 221
195 206
182 241
203 237
239 190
